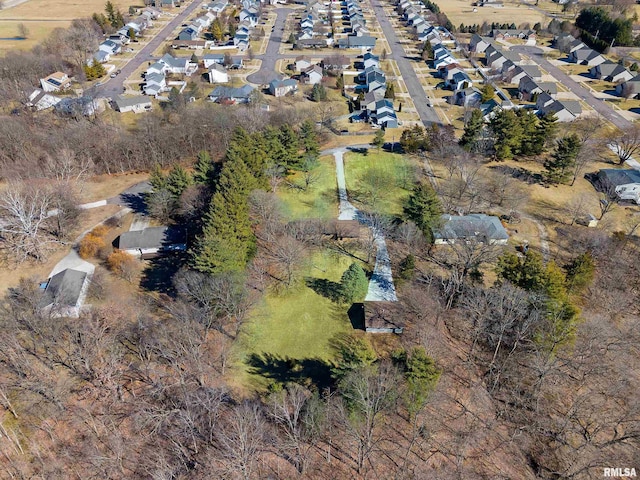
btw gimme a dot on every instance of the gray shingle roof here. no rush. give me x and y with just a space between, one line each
64 288
152 237
478 225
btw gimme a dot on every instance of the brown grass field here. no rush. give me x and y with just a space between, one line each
461 11
41 17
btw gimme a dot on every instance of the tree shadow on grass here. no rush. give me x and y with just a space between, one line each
306 371
325 288
159 273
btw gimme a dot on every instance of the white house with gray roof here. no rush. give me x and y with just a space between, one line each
153 241
136 103
474 227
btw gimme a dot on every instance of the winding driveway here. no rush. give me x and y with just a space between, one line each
598 105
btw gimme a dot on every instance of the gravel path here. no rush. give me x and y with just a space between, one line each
381 287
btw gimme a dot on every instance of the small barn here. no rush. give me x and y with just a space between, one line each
383 317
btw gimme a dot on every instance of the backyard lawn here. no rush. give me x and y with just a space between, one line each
319 200
288 335
379 181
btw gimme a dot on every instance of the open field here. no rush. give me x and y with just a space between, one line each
461 11
41 17
379 181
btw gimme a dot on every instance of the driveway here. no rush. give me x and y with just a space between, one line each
427 113
114 86
267 70
585 94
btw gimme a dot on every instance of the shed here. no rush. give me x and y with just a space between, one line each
383 317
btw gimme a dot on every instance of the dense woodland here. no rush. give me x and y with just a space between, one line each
511 365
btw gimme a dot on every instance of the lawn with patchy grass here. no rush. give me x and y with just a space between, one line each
379 181
317 201
288 336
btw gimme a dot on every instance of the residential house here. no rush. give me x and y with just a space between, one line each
280 88
302 63
370 100
177 65
65 293
188 33
384 114
216 73
100 56
528 89
496 57
231 95
235 62
154 84
249 14
364 43
568 43
630 88
444 62
190 44
467 97
370 60
136 104
586 56
501 34
41 100
110 47
336 62
153 241
610 72
313 43
76 107
474 227
626 182
312 75
55 82
459 80
564 110
380 317
216 7
479 44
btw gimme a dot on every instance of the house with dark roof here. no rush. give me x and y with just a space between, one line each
626 182
564 110
630 88
467 97
586 56
188 33
529 89
610 72
153 241
474 227
65 293
370 60
364 43
231 95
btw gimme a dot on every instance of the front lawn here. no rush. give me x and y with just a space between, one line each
379 181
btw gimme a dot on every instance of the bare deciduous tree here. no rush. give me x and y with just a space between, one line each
625 142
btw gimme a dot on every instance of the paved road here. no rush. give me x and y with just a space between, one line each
267 70
598 105
427 113
114 86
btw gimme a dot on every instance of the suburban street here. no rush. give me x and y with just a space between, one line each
584 93
114 86
427 113
267 70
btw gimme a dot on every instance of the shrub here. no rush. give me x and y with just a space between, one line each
354 284
122 264
90 245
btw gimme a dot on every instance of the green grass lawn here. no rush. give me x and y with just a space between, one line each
288 335
318 201
379 181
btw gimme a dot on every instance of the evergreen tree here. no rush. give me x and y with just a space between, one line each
227 241
309 139
354 284
562 163
546 132
340 83
529 144
292 39
351 353
204 169
132 34
507 132
472 130
407 267
414 139
423 207
318 93
157 179
580 272
291 143
178 180
488 92
216 30
421 374
232 28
